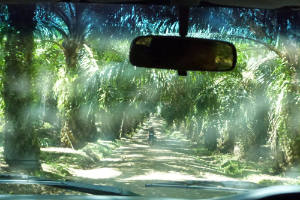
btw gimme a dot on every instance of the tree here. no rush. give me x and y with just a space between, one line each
280 36
72 24
21 147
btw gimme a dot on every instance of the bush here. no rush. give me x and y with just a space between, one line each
232 168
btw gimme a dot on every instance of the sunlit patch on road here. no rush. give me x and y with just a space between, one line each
112 159
98 173
160 150
62 150
139 145
134 156
170 158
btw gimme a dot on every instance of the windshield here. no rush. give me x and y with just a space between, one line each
72 107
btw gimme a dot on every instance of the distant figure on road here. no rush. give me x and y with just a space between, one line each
151 137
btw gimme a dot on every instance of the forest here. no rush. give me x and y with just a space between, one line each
66 81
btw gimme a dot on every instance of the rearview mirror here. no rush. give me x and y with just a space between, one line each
182 53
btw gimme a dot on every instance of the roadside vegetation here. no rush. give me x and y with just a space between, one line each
69 93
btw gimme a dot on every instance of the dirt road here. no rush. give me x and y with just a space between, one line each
136 163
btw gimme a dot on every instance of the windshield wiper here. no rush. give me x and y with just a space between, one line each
69 185
230 186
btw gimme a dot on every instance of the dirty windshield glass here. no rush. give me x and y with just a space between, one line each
73 108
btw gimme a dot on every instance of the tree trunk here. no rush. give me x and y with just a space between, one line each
78 121
79 125
21 146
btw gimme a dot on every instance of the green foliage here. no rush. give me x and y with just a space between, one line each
233 168
267 182
111 56
284 130
60 160
48 135
201 151
61 170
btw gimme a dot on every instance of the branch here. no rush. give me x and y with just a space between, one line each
268 46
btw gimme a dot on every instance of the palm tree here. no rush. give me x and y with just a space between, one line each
21 147
72 24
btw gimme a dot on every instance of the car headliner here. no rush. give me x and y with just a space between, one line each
268 4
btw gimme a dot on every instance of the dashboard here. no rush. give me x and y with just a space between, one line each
269 193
